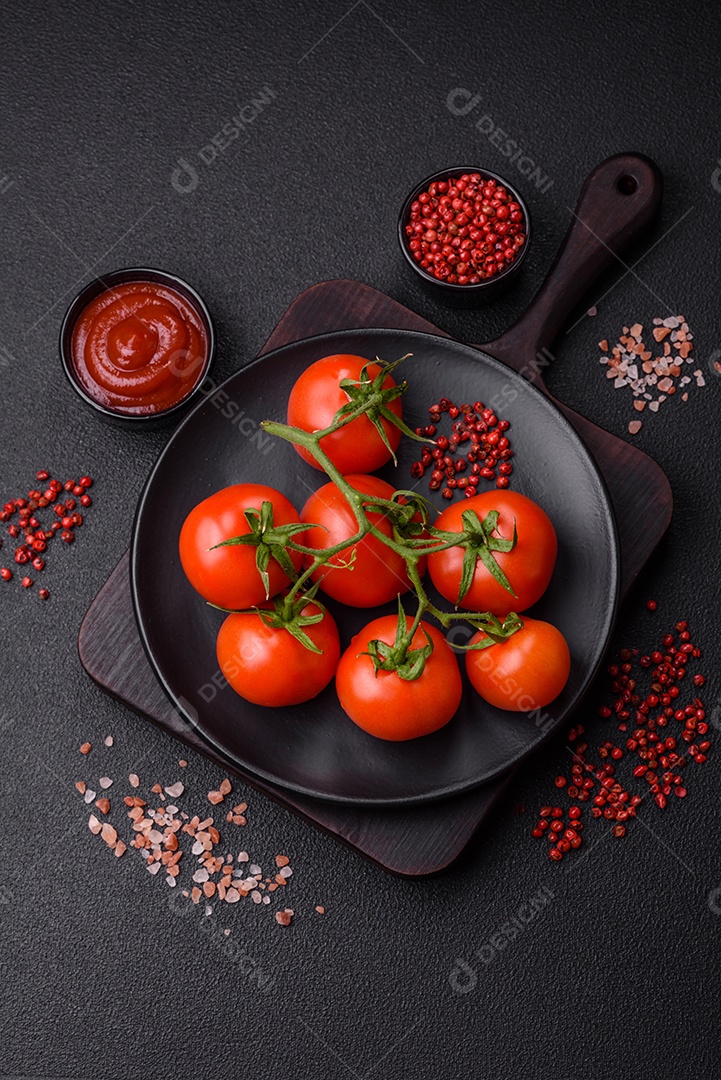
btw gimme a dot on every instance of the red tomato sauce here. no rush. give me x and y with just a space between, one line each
139 348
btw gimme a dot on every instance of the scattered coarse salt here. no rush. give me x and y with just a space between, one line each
592 311
215 797
86 748
156 836
109 834
320 909
634 427
108 740
656 373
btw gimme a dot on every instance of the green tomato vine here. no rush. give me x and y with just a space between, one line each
413 537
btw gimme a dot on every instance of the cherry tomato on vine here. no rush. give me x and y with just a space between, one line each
527 671
317 396
388 706
528 566
229 576
269 666
377 574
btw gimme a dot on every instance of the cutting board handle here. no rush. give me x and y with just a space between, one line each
618 200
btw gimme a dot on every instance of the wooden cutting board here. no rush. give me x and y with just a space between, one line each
426 839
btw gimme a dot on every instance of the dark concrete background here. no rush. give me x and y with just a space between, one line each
100 977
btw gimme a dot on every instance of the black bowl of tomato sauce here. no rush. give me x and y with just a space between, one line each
465 232
136 345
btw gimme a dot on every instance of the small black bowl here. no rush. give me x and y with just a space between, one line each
482 290
103 284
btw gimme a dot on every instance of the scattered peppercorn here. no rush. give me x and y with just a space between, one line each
642 719
28 527
473 425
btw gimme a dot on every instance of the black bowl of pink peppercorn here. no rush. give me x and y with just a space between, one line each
465 231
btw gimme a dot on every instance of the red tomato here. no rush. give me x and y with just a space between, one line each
269 666
528 567
526 672
384 704
316 398
228 576
378 574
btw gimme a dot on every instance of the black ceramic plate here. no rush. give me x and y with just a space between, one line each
314 748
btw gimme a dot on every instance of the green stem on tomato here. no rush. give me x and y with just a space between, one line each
476 535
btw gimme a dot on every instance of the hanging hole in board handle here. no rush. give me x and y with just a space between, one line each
604 222
627 184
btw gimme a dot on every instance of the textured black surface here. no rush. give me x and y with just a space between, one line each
99 975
